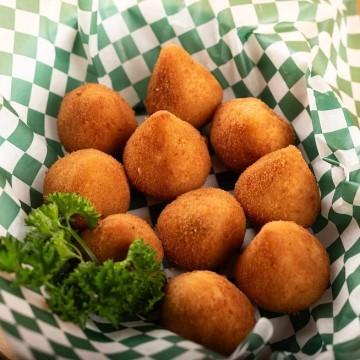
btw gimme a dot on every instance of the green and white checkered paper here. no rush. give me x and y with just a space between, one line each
300 57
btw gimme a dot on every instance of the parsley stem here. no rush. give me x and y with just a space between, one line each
82 244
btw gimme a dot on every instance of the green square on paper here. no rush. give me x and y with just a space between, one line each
53 104
241 90
151 56
319 64
141 87
68 14
170 353
107 9
220 78
99 67
21 137
103 39
25 45
345 316
71 84
225 21
290 72
220 53
28 5
201 12
126 48
20 91
266 67
7 17
326 101
191 41
309 145
173 6
268 97
244 64
239 2
42 75
27 168
36 121
267 12
133 18
355 73
47 29
66 352
62 60
290 106
5 63
163 30
119 79
8 210
344 85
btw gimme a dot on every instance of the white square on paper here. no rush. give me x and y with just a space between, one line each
23 67
136 69
244 15
27 22
145 39
332 120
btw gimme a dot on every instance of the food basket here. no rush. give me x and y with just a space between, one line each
300 57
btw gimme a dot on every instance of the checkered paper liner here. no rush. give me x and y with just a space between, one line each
300 57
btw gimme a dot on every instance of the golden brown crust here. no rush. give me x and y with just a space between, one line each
182 86
246 129
201 228
95 116
94 175
284 269
279 186
166 157
205 307
114 234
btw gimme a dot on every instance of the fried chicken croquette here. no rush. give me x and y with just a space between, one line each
114 234
201 228
244 130
95 116
279 186
284 269
94 175
166 157
205 307
182 86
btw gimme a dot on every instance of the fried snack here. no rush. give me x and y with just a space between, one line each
201 228
94 116
246 129
114 234
182 86
279 186
166 157
284 269
205 307
94 175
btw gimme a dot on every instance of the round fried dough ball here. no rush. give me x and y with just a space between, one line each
95 116
246 129
114 234
279 186
166 157
201 228
284 269
182 86
94 175
205 307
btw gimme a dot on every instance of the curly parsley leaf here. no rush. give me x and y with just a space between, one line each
113 290
51 255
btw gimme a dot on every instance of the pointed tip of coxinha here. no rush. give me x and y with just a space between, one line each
183 87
